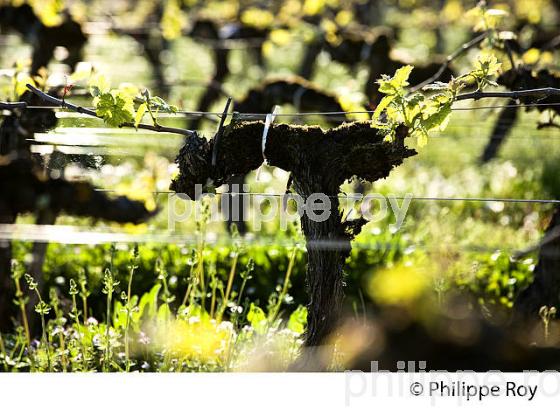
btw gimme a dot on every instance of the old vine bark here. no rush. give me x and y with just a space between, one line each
320 161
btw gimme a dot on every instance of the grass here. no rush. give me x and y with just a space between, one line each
150 332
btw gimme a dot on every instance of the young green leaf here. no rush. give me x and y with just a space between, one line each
140 114
298 320
114 109
400 79
487 65
159 104
438 120
383 104
257 318
395 85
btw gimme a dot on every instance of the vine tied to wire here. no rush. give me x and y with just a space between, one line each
82 110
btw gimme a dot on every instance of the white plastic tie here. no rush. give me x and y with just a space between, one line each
267 124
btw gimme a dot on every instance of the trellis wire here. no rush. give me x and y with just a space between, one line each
256 116
351 196
70 235
546 136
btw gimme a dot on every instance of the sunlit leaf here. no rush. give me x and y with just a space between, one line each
400 79
383 104
438 120
395 84
114 109
298 320
257 318
140 113
21 82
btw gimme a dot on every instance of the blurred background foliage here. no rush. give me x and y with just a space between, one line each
443 246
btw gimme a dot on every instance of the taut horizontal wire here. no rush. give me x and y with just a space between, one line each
352 196
256 116
533 138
